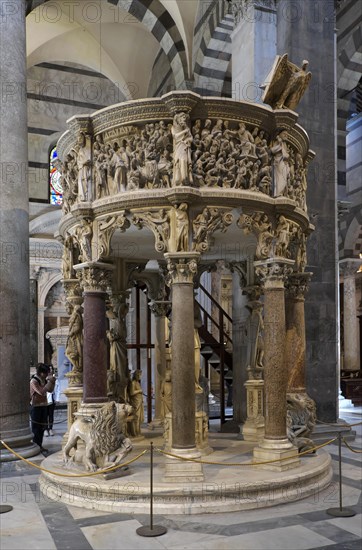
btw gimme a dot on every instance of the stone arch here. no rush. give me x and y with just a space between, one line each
161 25
214 53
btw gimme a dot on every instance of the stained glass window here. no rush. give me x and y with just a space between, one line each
56 190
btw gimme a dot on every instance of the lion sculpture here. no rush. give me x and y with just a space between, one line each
102 433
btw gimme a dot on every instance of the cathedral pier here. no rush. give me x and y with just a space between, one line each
14 219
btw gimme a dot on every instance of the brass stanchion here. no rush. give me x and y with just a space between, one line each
152 530
340 512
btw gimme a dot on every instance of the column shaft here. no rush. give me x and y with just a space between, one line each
183 366
275 374
160 362
14 223
94 348
351 358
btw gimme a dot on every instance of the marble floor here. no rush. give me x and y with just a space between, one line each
38 523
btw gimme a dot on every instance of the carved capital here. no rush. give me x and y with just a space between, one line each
182 268
160 309
73 292
273 273
297 285
350 267
94 276
253 292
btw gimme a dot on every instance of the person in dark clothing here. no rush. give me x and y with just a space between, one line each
40 383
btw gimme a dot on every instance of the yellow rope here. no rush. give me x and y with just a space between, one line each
245 463
338 424
107 470
350 448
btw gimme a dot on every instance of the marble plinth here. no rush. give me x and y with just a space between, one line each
281 450
224 488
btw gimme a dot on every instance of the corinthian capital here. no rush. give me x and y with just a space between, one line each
95 276
181 267
273 273
297 285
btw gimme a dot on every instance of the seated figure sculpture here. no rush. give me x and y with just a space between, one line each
102 433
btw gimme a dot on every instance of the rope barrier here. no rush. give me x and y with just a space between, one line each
339 425
350 448
106 471
246 463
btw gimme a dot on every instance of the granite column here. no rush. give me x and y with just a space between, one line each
351 360
296 287
14 223
182 267
275 444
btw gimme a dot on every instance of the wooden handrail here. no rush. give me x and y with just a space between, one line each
215 303
207 314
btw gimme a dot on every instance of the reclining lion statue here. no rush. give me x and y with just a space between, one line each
102 433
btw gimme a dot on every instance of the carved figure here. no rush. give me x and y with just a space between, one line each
84 169
301 419
197 346
136 400
166 394
182 227
67 257
255 368
74 345
247 144
84 234
282 237
118 366
101 168
120 164
105 443
286 83
182 140
281 165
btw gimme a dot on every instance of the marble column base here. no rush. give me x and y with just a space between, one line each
156 424
201 433
21 442
281 450
74 396
253 429
178 470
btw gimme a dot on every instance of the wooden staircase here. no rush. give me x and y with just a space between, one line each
216 346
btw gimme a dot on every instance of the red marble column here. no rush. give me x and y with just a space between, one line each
95 278
94 348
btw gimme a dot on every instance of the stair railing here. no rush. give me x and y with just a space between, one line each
224 339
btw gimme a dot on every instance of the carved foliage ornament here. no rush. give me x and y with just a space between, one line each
106 228
95 278
209 220
276 272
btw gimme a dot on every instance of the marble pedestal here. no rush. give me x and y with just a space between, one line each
282 452
254 427
183 469
201 433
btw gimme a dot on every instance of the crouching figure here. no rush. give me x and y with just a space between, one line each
102 433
